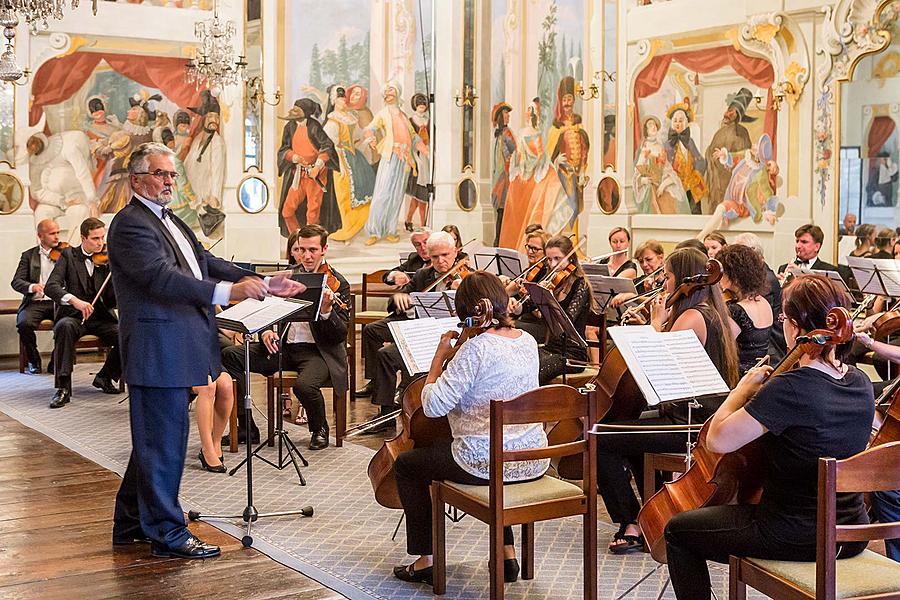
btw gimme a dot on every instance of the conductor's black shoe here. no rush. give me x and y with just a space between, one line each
61 398
192 548
129 540
366 390
319 439
33 369
105 384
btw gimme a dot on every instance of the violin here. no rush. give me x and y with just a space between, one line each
100 258
888 427
333 283
556 279
887 324
56 251
418 430
461 267
735 477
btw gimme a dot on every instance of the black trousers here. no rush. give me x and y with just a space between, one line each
715 533
66 333
27 321
414 471
374 336
389 362
312 375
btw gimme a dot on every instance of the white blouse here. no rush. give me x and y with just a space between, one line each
486 368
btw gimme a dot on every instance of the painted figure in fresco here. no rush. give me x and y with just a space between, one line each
184 201
527 169
657 189
306 159
182 133
417 189
398 140
686 160
569 144
504 148
98 128
61 183
733 137
205 163
355 181
115 189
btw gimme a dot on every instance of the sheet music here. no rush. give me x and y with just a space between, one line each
500 261
417 340
252 315
879 276
439 305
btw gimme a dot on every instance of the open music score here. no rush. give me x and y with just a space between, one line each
668 366
417 340
251 315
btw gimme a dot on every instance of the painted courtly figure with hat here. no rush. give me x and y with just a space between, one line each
504 149
182 130
732 137
355 180
685 158
115 190
205 163
306 160
528 169
98 128
568 144
657 189
397 142
417 188
185 202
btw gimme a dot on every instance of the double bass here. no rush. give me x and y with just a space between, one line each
419 430
735 477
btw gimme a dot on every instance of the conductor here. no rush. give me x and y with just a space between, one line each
166 284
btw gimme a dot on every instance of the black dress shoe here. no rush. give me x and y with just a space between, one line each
366 390
61 398
319 439
33 369
105 384
407 573
192 548
129 540
219 468
242 438
510 570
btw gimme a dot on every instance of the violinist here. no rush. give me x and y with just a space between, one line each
714 243
535 243
650 256
377 338
316 350
414 261
573 292
74 283
823 408
453 230
744 278
31 276
620 265
704 312
463 391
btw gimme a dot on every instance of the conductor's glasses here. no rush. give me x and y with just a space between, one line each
160 174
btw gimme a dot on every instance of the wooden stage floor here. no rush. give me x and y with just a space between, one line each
55 525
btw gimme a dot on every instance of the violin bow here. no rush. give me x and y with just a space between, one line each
99 293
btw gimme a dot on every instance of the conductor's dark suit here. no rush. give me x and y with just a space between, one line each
31 311
169 344
71 276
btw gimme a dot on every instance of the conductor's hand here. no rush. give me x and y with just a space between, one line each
285 287
270 341
402 301
249 287
85 308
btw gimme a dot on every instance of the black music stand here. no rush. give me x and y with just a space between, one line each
499 261
433 304
558 322
243 325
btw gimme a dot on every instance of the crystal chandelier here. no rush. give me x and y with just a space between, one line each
214 64
35 13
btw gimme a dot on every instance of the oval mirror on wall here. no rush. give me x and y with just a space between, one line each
608 195
11 193
466 194
253 194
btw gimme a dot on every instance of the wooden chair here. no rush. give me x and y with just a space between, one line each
45 325
501 505
365 316
867 575
662 462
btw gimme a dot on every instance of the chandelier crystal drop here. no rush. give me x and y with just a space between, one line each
214 64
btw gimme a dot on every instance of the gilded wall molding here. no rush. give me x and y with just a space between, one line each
776 37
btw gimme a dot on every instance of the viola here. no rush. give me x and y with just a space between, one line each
735 477
417 429
56 251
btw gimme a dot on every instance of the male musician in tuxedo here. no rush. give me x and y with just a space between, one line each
316 350
415 261
167 285
75 285
807 243
442 251
31 276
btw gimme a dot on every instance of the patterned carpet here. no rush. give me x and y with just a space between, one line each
347 545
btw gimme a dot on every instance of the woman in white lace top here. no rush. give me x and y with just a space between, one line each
497 365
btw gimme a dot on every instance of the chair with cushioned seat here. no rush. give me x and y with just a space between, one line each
867 575
500 505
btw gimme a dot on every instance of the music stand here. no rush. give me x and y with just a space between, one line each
834 276
499 261
879 276
606 288
248 323
558 322
434 304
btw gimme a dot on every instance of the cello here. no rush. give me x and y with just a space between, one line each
419 430
735 477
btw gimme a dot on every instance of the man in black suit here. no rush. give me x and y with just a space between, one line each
31 276
316 350
443 252
75 285
807 243
167 285
375 335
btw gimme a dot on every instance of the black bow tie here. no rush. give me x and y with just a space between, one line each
684 137
799 261
167 212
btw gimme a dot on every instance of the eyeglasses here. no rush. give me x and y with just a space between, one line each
160 174
533 248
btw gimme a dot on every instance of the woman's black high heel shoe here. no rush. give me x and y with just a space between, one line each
220 468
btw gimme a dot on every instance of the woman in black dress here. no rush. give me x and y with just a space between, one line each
744 277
